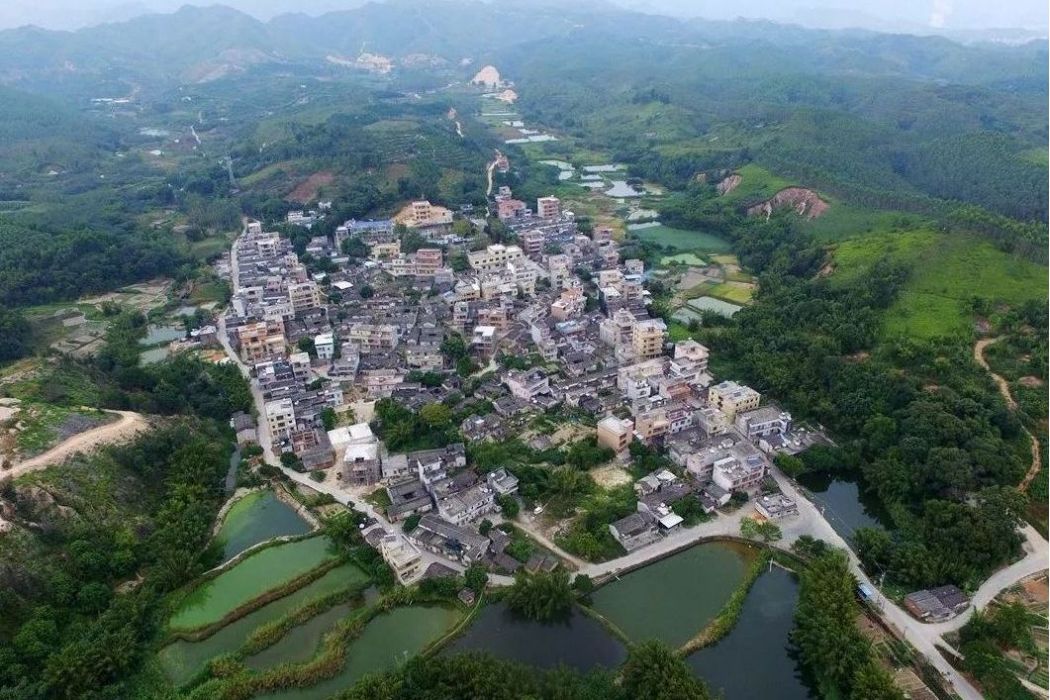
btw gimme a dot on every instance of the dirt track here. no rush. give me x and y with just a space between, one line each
1004 389
129 424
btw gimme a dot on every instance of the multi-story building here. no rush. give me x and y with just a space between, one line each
526 385
280 419
647 338
373 337
712 420
449 540
466 506
732 398
548 207
385 250
508 208
734 474
570 304
495 257
261 341
402 556
615 433
767 420
532 242
324 344
304 296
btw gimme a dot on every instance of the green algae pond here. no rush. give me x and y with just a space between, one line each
248 579
676 597
255 518
386 641
755 659
182 659
301 642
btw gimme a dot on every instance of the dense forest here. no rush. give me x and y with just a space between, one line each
66 633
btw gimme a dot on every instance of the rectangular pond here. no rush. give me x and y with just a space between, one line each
255 518
675 598
182 660
248 579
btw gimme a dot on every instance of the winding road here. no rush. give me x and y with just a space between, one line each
1004 389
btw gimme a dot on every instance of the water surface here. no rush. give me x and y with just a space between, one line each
255 518
386 641
248 579
754 660
675 598
183 660
846 506
580 642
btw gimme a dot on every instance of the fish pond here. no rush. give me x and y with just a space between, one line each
182 660
248 579
156 335
675 598
255 518
386 641
845 503
580 642
755 659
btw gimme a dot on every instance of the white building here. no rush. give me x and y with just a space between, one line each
324 344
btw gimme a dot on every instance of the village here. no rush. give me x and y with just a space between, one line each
552 325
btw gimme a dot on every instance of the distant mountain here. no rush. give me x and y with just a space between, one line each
197 44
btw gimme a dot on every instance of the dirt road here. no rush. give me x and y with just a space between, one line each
1004 389
129 424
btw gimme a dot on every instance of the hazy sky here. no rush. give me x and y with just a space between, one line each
891 15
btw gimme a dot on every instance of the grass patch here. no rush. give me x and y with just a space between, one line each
680 239
947 273
733 292
756 184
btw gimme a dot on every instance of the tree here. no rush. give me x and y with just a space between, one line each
508 505
328 418
653 671
766 530
485 526
584 586
436 415
825 631
411 522
15 335
541 596
290 460
306 344
365 291
476 577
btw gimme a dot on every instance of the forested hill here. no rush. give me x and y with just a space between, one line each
883 121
